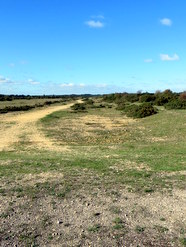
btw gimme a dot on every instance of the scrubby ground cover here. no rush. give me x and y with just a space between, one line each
119 182
28 104
23 102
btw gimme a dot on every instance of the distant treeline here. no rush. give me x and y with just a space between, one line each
11 97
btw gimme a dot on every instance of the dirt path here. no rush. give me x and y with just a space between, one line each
16 127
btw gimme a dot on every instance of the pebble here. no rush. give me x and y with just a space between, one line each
59 222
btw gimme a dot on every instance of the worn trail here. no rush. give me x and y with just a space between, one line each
16 127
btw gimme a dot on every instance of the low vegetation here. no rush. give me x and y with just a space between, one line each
167 98
116 176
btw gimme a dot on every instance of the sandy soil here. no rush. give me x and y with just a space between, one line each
15 127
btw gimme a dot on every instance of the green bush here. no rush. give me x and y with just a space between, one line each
176 104
121 97
165 97
78 107
88 101
147 98
140 111
16 108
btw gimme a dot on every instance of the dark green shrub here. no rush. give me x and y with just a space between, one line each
121 97
122 106
16 108
176 104
132 97
89 102
140 111
165 97
109 98
78 107
147 98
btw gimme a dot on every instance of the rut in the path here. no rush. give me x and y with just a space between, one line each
16 127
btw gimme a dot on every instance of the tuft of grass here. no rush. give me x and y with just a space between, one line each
139 229
115 210
94 228
118 223
183 241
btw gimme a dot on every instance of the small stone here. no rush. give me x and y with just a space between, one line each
67 224
97 214
59 222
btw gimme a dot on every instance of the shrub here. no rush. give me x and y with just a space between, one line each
78 107
132 97
88 101
140 111
165 97
16 108
147 98
183 96
122 106
176 104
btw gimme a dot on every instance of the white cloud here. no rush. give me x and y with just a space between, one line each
95 24
166 57
4 80
67 85
33 82
166 22
82 85
148 60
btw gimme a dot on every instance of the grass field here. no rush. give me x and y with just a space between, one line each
110 181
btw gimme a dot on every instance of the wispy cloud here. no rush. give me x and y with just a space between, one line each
33 82
5 80
166 22
166 57
95 24
67 85
148 60
82 85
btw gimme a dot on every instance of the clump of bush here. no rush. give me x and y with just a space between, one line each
16 108
147 98
176 104
78 107
139 111
165 97
88 101
121 97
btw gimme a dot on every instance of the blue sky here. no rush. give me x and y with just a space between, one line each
92 46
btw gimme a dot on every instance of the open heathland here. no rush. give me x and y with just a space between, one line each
88 175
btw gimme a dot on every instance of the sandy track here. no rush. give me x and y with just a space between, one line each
16 127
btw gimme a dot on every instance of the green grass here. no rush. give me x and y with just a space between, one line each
158 142
142 164
94 228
